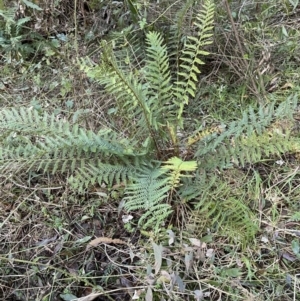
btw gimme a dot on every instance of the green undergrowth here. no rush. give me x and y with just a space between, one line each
146 166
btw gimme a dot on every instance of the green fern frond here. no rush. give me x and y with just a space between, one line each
125 87
30 140
148 190
190 60
247 139
231 217
130 94
158 78
99 173
220 207
129 47
251 149
176 34
151 188
155 217
175 166
199 187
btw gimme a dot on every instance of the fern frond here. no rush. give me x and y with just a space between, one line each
129 47
175 166
220 207
125 87
174 41
99 173
156 216
151 187
190 60
247 139
147 191
251 149
231 217
158 78
30 140
130 94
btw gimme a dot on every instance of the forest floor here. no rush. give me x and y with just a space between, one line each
57 244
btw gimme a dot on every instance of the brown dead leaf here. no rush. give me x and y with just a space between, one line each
106 240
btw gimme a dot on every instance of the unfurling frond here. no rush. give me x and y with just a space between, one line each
175 166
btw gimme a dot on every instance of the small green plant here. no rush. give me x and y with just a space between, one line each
16 40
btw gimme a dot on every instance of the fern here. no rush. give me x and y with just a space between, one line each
176 166
231 217
152 186
158 78
150 161
99 173
249 139
176 36
147 193
193 49
129 93
152 98
14 32
33 141
220 207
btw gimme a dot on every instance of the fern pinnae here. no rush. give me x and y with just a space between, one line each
130 94
176 33
101 173
157 75
250 123
185 86
156 216
147 191
49 145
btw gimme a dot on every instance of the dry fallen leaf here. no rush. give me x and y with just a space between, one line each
188 260
198 295
158 251
107 240
287 86
171 237
149 295
209 253
136 295
195 242
126 218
